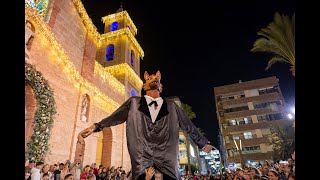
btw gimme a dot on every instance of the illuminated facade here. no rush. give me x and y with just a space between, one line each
91 75
185 143
245 112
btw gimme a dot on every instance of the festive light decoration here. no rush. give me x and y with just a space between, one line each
120 15
125 70
107 77
40 5
73 75
43 119
99 39
118 33
91 28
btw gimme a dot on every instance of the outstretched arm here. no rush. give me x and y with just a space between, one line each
117 117
188 127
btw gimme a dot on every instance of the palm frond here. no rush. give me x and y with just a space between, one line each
275 59
278 38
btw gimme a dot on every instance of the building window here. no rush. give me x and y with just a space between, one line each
128 27
247 135
267 104
110 52
133 92
251 149
240 121
270 117
235 136
235 109
114 26
235 96
268 90
132 58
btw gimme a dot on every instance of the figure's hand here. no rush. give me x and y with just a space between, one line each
85 133
149 173
207 148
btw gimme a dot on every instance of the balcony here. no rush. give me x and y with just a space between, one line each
261 98
252 157
246 113
248 142
246 127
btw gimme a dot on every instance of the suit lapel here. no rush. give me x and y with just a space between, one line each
144 107
145 110
163 111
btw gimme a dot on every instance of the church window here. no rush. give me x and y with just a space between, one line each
110 53
114 26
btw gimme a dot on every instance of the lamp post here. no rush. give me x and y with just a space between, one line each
240 152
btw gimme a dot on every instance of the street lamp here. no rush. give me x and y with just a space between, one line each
240 151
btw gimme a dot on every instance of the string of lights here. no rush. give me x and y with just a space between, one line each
125 70
45 34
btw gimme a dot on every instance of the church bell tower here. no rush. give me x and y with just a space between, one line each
120 53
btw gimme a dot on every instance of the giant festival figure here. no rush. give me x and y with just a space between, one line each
152 128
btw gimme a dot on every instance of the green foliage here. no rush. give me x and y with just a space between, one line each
43 120
282 139
194 168
278 38
188 111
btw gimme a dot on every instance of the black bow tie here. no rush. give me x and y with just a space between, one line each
153 102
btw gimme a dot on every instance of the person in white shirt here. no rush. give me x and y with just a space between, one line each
35 171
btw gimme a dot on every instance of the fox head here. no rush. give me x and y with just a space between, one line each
152 82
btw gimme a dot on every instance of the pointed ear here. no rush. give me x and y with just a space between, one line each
158 74
146 75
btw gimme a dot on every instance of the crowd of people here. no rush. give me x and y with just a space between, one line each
73 171
284 170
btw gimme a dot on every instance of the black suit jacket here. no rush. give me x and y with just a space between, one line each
153 143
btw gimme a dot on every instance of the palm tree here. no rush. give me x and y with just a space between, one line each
282 139
191 115
279 40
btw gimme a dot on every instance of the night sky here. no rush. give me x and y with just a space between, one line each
198 45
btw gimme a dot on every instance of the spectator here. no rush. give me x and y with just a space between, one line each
35 171
68 177
91 177
240 175
45 176
291 177
45 170
158 175
95 169
273 175
58 171
28 168
75 169
64 171
85 172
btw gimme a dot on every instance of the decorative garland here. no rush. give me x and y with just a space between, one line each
43 120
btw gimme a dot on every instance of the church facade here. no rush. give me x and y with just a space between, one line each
74 77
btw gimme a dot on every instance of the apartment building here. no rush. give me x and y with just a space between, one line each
246 111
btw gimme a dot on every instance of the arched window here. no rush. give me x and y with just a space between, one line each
110 52
114 26
133 92
132 58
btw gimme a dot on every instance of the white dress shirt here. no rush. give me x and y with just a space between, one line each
152 109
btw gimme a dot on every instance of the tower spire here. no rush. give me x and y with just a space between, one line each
121 8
